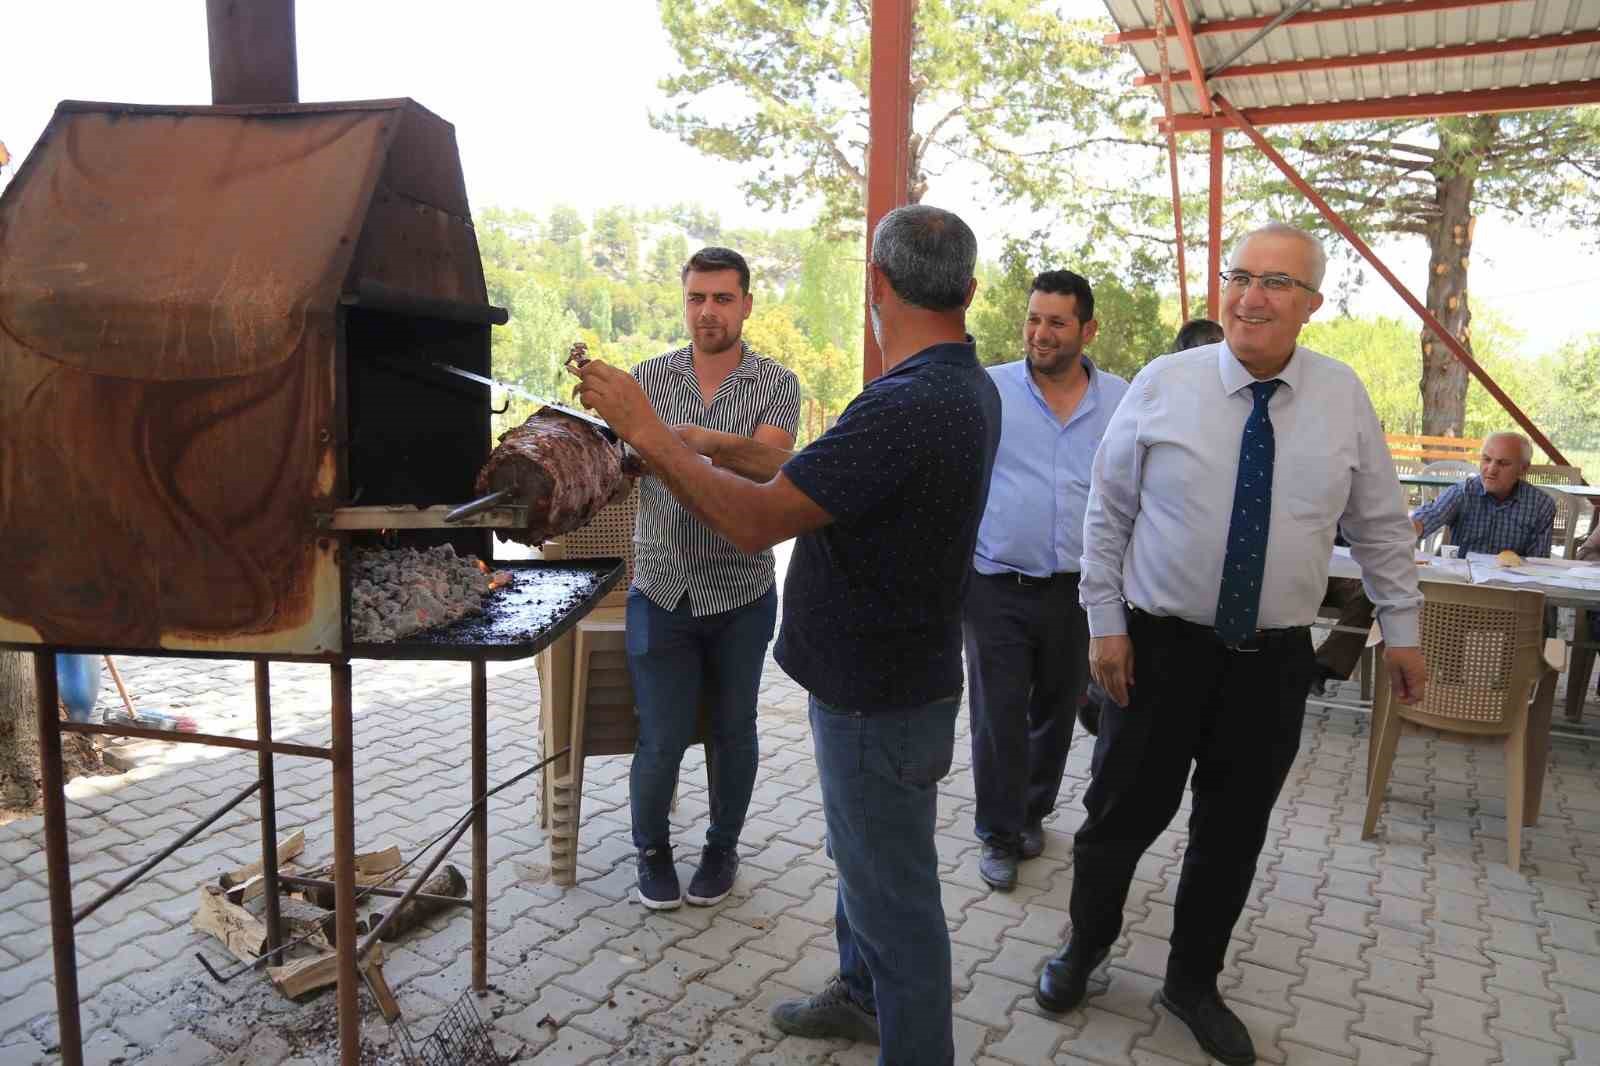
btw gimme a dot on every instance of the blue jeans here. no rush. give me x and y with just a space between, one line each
678 662
880 777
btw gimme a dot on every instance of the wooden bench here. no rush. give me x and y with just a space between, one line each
1412 448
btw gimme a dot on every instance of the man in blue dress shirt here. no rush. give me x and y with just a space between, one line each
885 506
1027 637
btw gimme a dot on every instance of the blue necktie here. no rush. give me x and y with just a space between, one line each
1239 599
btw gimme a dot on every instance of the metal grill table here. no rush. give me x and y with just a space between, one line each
544 601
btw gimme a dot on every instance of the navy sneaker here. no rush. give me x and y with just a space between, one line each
713 880
658 879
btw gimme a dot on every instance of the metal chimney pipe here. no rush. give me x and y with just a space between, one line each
252 52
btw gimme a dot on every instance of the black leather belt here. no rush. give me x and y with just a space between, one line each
1028 581
1264 639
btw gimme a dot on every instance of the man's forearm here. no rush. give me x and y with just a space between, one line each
727 504
750 458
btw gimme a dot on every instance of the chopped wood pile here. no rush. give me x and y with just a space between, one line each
232 909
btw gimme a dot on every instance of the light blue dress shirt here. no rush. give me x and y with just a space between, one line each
1162 496
1034 521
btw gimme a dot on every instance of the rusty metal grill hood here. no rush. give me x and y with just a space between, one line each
172 285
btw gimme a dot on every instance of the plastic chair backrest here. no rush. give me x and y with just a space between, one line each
608 534
1484 648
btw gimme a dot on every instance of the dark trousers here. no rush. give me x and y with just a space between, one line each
1027 666
1339 652
1234 717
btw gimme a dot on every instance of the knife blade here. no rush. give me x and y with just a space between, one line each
517 390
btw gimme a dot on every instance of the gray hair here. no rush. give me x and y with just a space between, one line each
1319 254
1524 445
927 254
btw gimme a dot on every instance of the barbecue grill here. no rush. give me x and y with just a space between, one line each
218 331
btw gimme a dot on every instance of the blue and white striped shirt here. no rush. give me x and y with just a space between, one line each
1523 522
675 552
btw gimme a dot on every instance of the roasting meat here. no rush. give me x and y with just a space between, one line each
564 470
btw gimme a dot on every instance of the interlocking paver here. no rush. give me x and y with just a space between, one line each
1385 951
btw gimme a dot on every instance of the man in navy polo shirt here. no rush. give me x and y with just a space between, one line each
886 507
1027 637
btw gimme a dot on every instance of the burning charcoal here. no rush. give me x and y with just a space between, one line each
394 594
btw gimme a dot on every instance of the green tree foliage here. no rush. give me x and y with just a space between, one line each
1006 85
829 378
530 348
830 293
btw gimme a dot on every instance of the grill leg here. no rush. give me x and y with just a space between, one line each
344 865
480 827
269 804
57 863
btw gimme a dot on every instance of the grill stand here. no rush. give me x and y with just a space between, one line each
341 755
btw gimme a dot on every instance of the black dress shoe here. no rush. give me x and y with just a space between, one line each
998 867
1217 1029
1065 979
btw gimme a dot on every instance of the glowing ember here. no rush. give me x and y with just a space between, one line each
396 593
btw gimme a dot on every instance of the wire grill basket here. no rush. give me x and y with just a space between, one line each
460 1039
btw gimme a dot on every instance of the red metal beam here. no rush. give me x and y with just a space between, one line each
1177 219
888 134
1376 59
1214 231
1306 18
1191 51
1531 98
1338 223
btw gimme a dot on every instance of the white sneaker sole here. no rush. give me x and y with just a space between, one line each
659 904
705 901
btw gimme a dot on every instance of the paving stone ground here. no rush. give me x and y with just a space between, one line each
1418 946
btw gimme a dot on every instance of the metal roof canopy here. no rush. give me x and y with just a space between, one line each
1248 63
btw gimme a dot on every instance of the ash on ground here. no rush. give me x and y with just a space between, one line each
397 592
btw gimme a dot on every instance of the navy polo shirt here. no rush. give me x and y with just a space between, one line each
872 601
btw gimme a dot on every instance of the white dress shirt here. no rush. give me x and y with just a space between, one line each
1161 496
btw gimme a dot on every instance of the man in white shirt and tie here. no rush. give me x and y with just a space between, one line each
1211 519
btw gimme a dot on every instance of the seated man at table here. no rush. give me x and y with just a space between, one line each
1493 511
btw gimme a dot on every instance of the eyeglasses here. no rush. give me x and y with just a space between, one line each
1239 281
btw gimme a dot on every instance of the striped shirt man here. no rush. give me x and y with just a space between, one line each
1479 522
674 552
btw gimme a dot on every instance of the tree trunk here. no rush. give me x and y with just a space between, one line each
1444 377
19 732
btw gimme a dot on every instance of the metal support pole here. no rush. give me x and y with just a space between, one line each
1338 223
344 865
1177 222
252 50
269 805
57 863
1214 236
888 135
480 827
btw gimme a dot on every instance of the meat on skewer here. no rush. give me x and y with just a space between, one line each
563 469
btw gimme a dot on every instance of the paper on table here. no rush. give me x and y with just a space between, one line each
1560 573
